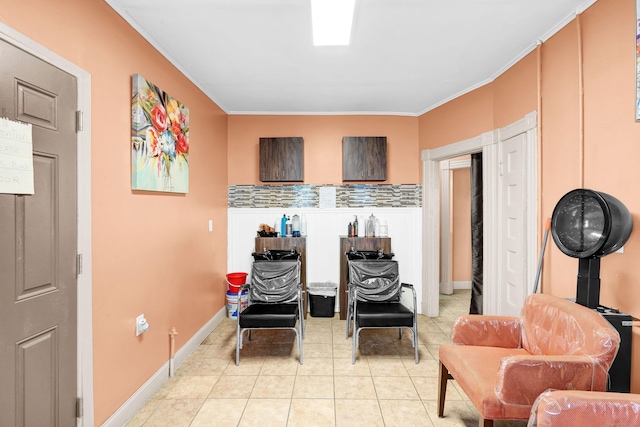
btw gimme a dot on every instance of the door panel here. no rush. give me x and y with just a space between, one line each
38 345
513 195
37 377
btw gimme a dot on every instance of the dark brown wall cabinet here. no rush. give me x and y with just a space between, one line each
364 158
281 159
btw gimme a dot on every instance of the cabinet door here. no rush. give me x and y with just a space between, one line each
376 158
269 159
291 161
353 158
364 158
281 159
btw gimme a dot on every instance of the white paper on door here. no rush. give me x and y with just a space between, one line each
16 157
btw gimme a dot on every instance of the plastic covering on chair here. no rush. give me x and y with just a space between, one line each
274 301
375 291
563 408
503 363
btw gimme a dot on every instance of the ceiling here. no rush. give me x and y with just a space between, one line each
406 56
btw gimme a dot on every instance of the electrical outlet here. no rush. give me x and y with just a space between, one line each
141 325
210 225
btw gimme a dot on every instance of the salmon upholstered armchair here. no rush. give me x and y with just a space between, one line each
563 408
504 363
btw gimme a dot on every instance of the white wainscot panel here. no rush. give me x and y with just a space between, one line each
324 228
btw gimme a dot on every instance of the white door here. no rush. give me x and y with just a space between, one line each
512 221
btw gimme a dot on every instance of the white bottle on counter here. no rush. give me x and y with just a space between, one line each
289 227
303 225
384 228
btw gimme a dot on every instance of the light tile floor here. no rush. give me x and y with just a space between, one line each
270 388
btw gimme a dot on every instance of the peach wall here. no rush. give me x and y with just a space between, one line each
605 35
612 136
462 118
515 92
507 99
323 145
461 199
152 252
560 139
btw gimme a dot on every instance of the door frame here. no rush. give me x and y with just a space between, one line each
84 389
488 143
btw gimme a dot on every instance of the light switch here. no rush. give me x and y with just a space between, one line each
210 225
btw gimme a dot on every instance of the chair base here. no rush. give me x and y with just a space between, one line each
241 331
414 339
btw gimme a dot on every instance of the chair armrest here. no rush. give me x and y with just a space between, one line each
489 331
522 378
415 298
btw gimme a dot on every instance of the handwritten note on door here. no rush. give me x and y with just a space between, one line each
16 157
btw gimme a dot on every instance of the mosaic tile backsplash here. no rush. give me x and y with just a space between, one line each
307 196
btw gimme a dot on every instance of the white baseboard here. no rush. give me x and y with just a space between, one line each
129 409
462 285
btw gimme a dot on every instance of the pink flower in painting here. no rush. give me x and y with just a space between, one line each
159 117
182 144
175 128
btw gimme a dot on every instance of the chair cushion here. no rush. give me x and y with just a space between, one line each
383 314
269 316
475 368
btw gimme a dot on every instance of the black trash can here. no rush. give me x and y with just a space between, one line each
322 299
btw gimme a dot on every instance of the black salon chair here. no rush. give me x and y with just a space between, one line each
274 301
375 292
354 255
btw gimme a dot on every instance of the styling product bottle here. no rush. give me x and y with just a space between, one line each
384 228
303 225
289 227
370 227
296 225
283 226
350 230
355 226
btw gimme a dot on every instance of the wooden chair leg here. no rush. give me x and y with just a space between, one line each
442 388
485 423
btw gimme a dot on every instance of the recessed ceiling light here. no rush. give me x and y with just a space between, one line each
332 21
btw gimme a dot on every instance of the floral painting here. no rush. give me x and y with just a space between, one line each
159 139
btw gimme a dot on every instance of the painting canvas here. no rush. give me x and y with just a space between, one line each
159 139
